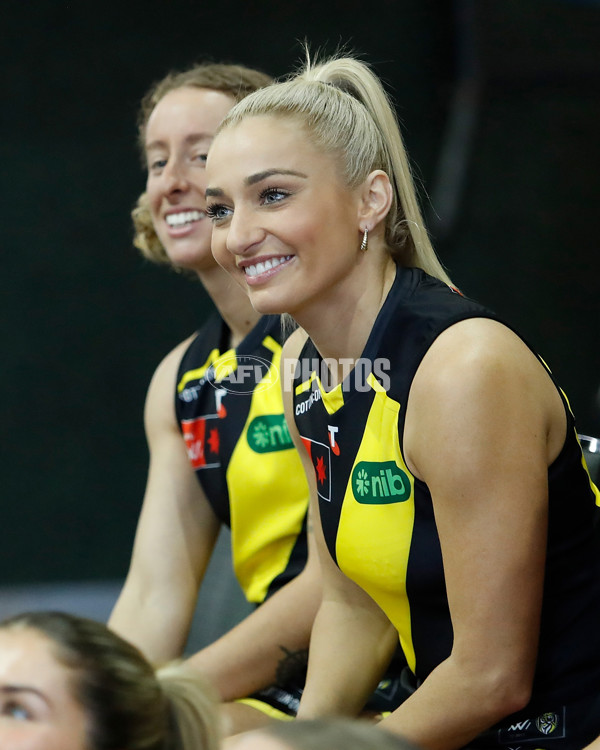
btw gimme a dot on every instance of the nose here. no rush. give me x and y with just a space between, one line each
244 232
175 178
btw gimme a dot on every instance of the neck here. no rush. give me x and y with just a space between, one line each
340 325
231 302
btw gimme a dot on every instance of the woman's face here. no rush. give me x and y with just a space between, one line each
37 708
178 134
284 223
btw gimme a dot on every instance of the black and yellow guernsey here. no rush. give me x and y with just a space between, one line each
379 523
230 410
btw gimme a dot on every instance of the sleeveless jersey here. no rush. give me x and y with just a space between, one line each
378 519
230 411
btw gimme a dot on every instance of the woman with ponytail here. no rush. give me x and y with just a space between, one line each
456 511
69 683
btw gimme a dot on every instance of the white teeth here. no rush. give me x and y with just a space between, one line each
266 266
185 217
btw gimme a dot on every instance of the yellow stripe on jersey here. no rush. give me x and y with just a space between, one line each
260 552
199 372
332 400
594 489
303 387
585 466
377 519
265 708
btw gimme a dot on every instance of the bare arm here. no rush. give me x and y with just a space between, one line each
352 643
175 536
483 423
352 640
246 659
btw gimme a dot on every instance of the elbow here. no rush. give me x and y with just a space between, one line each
499 686
507 691
514 699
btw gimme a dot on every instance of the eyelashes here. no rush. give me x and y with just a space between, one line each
273 195
216 211
267 197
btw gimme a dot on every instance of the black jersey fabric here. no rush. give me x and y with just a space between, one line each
230 410
379 524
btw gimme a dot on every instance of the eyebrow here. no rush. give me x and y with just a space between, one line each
257 177
189 140
14 689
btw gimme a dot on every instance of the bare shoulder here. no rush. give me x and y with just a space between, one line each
477 351
160 397
480 378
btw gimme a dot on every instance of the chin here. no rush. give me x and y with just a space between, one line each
266 304
192 260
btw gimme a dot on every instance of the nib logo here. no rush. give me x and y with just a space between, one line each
379 483
269 433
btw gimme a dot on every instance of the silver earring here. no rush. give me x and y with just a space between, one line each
365 241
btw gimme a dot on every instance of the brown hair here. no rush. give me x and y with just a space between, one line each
127 704
235 80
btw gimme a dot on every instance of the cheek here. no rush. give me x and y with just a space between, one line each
218 246
304 230
29 736
154 202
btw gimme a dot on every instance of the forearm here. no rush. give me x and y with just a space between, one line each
350 648
246 658
156 622
454 705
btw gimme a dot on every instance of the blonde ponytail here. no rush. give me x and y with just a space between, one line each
343 106
192 707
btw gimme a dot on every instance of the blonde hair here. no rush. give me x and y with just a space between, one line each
127 704
192 705
344 108
236 81
145 237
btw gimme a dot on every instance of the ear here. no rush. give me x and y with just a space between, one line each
376 199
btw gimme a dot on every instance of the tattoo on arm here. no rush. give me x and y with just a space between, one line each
291 670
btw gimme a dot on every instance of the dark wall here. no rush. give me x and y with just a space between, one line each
526 238
85 321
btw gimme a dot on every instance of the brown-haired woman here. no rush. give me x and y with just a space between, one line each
69 683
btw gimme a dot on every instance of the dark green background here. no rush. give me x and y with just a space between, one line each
84 320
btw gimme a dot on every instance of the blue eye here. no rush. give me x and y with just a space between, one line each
16 711
272 195
217 211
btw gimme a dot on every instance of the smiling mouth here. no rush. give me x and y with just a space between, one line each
184 217
268 265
